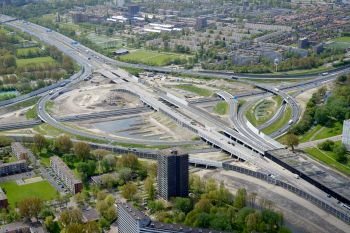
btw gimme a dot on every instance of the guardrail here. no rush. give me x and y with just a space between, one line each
329 209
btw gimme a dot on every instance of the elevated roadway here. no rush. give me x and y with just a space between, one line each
80 117
211 135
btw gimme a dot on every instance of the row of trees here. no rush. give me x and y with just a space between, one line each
326 111
212 206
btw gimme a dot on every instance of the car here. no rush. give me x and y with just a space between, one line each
325 73
329 196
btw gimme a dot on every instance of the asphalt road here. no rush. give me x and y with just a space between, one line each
89 58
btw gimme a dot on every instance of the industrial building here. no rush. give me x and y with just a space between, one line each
66 175
172 174
346 134
131 220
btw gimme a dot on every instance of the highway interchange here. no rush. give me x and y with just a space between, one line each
241 140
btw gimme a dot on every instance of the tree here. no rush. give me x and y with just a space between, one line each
39 142
128 191
30 207
252 221
292 140
183 204
125 175
153 170
340 153
72 216
326 145
100 153
49 223
82 150
128 161
108 163
86 169
341 79
196 184
149 188
156 206
63 144
73 228
240 199
106 208
203 205
92 227
80 198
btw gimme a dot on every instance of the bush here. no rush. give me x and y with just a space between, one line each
340 153
327 145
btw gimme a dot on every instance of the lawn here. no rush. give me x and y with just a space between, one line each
221 108
343 39
327 132
35 61
49 105
31 113
265 110
151 57
280 122
194 89
7 95
23 52
327 157
309 134
16 193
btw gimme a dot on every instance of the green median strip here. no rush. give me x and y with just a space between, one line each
280 122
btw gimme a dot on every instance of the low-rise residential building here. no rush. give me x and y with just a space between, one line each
131 220
13 168
3 200
20 227
22 153
66 175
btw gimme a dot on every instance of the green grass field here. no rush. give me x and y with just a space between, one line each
343 39
281 122
151 57
266 109
309 134
22 52
31 113
16 193
194 89
327 132
35 61
327 157
221 108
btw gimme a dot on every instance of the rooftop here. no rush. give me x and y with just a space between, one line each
314 170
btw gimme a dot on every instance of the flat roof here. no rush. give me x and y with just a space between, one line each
325 176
